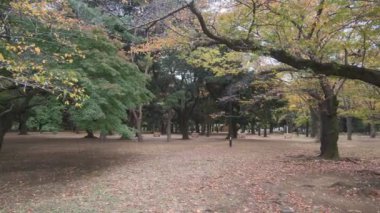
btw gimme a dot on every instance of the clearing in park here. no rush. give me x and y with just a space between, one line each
65 173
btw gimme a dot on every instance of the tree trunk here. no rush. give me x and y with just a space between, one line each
163 128
208 129
349 127
197 127
90 134
265 130
23 115
6 121
2 134
243 127
40 127
103 136
23 128
184 128
307 128
137 117
252 124
259 131
271 127
184 132
329 128
168 130
232 130
169 127
290 126
203 129
315 124
139 125
372 133
235 129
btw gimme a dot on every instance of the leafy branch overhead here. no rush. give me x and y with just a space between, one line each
319 52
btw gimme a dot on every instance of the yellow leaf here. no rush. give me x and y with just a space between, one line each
37 50
1 57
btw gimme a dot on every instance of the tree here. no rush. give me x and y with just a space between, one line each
265 98
368 98
321 93
326 37
112 83
33 52
310 30
47 115
186 86
144 64
49 48
349 105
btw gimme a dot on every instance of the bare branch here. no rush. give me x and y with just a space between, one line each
7 111
153 22
317 18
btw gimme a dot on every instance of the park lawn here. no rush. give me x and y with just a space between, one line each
66 173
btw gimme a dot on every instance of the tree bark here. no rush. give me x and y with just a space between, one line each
290 126
203 128
243 127
184 128
139 131
90 134
197 127
40 125
349 127
138 119
168 130
329 128
163 128
169 127
315 124
252 124
23 128
265 130
234 130
6 121
209 129
271 127
23 114
2 134
103 136
184 131
372 133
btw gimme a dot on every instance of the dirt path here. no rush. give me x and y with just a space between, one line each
65 173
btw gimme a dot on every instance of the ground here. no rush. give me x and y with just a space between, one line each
66 173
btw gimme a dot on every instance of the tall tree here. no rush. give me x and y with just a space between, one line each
186 88
298 34
34 47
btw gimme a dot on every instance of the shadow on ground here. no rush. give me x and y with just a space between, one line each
46 161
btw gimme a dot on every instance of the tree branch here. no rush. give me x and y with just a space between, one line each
317 18
153 22
371 76
7 111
